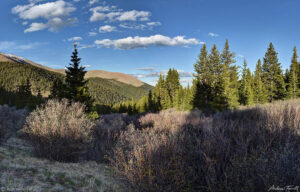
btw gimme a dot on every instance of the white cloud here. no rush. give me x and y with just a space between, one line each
87 66
107 29
92 2
213 34
111 13
240 56
186 80
75 39
181 73
36 27
80 46
104 42
154 23
91 34
134 15
55 13
147 69
145 42
133 26
24 22
103 8
97 17
57 23
46 10
97 12
147 26
11 46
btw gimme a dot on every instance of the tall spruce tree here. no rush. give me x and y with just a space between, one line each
230 77
202 83
57 90
219 102
150 101
179 98
273 76
186 102
246 91
172 84
259 89
293 86
160 93
76 89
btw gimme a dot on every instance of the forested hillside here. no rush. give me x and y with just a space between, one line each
11 75
109 91
103 91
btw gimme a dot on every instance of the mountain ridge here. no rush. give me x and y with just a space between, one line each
118 76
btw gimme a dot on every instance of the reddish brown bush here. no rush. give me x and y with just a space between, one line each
246 150
106 133
59 131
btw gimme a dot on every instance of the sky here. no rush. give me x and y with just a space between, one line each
147 37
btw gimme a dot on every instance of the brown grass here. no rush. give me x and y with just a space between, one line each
247 150
59 131
250 149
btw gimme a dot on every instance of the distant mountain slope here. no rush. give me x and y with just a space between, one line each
124 78
103 91
108 91
17 59
121 77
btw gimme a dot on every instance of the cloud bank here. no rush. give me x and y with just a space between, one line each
11 46
55 13
107 29
111 13
145 42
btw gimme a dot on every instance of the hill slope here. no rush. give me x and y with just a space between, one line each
121 77
104 91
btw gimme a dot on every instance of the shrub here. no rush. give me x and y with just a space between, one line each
106 133
250 149
59 131
11 120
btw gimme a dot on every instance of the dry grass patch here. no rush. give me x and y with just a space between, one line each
21 171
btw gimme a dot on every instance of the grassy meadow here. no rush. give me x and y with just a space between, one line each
58 148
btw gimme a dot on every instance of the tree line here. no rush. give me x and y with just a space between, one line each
218 85
47 84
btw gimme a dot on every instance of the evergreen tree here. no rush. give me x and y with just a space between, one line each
272 75
76 89
57 90
219 102
180 93
160 92
229 77
39 97
172 84
150 101
202 84
201 67
246 92
24 95
259 90
293 86
186 103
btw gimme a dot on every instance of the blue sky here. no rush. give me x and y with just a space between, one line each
147 37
